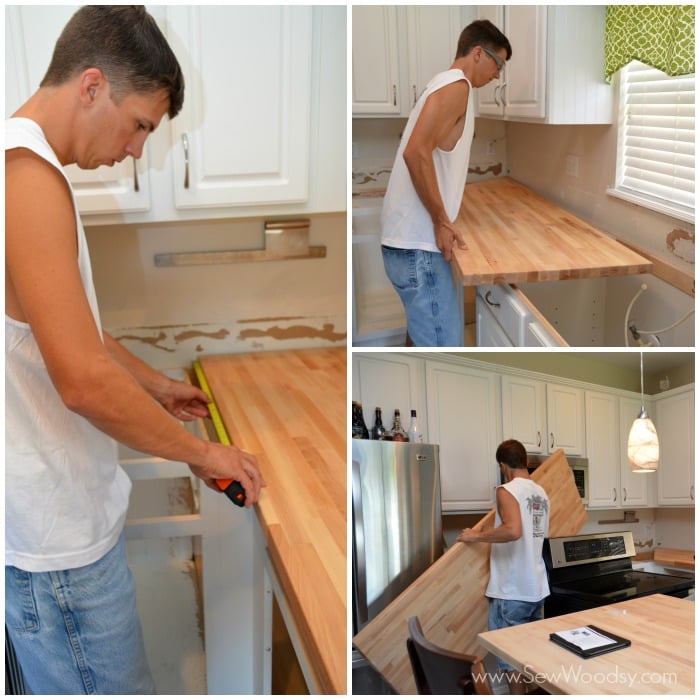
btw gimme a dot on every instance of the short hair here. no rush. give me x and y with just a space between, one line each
512 453
482 33
125 43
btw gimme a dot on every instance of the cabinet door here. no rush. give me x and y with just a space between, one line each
389 381
565 419
375 60
243 135
636 488
525 74
30 36
462 420
433 32
488 98
524 412
603 449
675 426
488 331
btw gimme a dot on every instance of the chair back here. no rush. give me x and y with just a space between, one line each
439 671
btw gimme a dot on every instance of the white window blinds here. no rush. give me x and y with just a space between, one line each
656 140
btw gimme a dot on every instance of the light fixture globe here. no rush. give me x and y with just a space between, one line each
643 445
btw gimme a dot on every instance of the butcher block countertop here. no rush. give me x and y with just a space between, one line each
288 408
515 235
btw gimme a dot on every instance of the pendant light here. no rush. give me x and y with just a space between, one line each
643 442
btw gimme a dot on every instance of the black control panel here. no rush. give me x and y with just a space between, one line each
583 550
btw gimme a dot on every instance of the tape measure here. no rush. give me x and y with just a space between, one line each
231 488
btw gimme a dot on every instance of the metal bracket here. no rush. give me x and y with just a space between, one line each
284 240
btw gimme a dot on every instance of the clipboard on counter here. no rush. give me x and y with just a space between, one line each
589 641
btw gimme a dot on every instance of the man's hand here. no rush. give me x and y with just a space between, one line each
228 462
470 534
447 236
184 401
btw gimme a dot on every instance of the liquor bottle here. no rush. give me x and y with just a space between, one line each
378 429
398 434
414 432
359 429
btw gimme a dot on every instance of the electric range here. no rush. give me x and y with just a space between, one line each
586 571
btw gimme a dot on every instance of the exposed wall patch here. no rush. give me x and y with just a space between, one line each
187 335
682 244
294 332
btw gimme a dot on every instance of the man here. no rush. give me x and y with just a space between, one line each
426 186
518 582
71 390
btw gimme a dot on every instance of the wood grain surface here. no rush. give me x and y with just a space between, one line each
515 235
289 409
675 557
660 660
449 598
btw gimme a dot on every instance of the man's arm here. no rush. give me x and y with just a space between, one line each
45 291
510 529
442 110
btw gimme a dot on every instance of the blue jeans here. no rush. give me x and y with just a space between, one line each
423 281
508 613
77 631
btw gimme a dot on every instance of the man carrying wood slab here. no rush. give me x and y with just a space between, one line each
426 187
518 581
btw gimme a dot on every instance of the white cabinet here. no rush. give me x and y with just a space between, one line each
603 449
396 51
565 419
520 90
263 127
675 425
389 381
544 417
463 410
243 135
524 408
556 73
636 489
30 35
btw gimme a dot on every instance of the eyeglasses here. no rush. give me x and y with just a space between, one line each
497 59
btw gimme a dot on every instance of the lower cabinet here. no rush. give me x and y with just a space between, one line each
463 408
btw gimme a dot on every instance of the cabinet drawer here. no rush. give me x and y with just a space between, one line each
507 309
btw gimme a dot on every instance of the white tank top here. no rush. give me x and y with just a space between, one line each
517 568
406 223
65 494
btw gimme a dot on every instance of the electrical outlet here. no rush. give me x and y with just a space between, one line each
490 148
665 384
572 165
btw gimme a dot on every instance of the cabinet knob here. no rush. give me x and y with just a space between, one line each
186 148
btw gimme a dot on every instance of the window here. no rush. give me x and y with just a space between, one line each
656 141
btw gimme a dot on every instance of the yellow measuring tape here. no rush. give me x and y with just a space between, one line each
232 489
213 410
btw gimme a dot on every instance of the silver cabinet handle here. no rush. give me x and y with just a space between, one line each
551 435
136 176
692 492
495 96
624 495
614 494
539 439
186 147
503 95
394 90
415 96
491 303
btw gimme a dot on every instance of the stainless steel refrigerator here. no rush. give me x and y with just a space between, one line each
397 529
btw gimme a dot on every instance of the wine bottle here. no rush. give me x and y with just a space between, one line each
378 428
414 432
398 434
359 428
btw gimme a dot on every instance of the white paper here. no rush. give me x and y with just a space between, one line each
585 638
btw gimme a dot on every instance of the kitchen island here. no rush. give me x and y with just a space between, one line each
515 235
288 408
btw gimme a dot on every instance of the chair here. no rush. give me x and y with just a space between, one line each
440 671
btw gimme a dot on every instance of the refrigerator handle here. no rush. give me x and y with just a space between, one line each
358 554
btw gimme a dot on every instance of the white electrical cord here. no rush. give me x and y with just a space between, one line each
661 330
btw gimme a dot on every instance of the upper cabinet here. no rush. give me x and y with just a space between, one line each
263 127
555 75
396 51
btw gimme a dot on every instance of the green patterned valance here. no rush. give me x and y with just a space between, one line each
662 36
